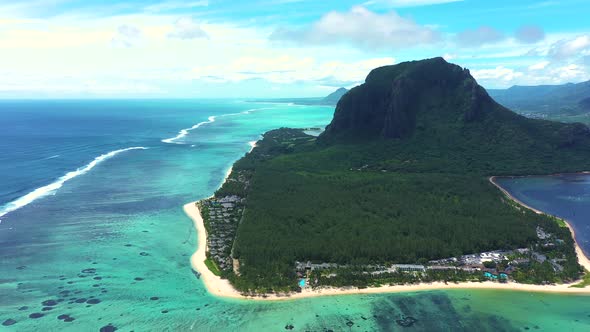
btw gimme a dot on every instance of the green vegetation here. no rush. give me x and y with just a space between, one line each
399 176
212 266
585 281
355 277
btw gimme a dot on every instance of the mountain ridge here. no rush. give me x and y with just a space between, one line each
396 101
549 100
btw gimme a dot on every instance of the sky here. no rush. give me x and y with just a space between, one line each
277 48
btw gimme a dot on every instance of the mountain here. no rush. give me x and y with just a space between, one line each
395 99
442 99
401 175
334 97
548 100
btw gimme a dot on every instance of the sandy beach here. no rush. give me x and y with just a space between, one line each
222 288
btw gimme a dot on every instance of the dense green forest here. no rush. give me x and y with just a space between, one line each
407 192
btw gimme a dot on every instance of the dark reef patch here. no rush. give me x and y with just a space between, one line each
9 322
432 311
36 315
108 328
406 321
93 301
49 303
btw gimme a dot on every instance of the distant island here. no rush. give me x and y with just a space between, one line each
330 100
566 102
396 194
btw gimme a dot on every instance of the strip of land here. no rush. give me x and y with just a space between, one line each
221 287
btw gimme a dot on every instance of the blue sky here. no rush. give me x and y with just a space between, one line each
277 48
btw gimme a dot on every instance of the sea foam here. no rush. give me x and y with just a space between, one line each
52 187
184 132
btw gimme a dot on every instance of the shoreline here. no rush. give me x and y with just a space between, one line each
582 258
223 288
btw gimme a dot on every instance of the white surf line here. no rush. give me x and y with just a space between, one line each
52 187
184 132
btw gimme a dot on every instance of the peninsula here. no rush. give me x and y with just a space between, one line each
393 196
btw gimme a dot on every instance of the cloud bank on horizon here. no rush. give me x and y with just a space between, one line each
277 48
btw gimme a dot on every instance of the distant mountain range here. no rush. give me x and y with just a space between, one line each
334 97
546 100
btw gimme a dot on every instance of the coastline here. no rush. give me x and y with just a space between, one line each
223 288
582 258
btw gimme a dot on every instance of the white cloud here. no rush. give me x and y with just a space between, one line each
480 36
126 36
568 48
361 28
499 73
449 56
539 66
286 69
186 28
570 72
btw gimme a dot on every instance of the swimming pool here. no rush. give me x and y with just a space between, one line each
301 283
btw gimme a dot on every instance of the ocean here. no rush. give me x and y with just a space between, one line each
93 235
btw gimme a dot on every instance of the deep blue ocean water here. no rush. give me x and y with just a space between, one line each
91 194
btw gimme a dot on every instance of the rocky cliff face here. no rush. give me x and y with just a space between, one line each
394 99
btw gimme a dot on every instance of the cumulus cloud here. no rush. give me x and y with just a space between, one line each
529 34
571 72
544 72
186 28
539 66
126 36
361 28
480 36
286 69
568 48
499 73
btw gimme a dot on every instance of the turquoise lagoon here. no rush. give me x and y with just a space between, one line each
93 234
